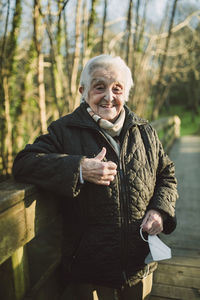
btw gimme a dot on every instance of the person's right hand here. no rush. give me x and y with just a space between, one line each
97 171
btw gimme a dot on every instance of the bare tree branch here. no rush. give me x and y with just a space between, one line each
4 37
64 4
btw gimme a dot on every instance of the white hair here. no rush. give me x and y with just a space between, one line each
105 61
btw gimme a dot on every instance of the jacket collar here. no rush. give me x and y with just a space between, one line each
132 118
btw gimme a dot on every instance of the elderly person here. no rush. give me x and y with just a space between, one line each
110 171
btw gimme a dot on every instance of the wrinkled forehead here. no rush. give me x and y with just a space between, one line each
107 74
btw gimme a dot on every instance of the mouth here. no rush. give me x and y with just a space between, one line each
107 106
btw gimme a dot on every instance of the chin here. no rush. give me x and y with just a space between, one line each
111 119
108 117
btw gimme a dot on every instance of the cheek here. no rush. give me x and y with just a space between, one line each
120 102
94 99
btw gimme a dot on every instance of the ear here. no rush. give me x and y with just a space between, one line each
81 89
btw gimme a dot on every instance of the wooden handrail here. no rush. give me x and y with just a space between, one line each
168 130
30 241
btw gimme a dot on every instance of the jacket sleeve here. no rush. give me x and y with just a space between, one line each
165 192
44 164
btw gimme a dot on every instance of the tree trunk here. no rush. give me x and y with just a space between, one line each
40 67
9 47
59 63
8 137
41 92
135 39
25 88
68 65
135 60
3 159
4 40
88 30
141 32
159 99
102 49
128 30
86 50
55 84
76 53
91 23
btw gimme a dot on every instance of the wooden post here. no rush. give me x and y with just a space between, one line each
20 272
177 125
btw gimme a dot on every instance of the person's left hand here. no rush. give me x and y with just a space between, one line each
153 222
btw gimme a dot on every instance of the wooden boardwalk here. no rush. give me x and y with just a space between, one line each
179 278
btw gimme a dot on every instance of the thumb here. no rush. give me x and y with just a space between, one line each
101 154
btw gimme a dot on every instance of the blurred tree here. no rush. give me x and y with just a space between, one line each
19 126
102 48
128 31
41 59
76 57
91 22
159 91
38 32
8 52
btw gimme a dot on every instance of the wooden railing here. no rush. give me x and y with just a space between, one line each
168 130
30 235
30 243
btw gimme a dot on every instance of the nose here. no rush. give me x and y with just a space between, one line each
108 95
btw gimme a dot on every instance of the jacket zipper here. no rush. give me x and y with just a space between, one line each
123 208
124 217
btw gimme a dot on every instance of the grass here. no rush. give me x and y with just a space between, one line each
190 123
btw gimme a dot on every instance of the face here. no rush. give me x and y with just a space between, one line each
106 93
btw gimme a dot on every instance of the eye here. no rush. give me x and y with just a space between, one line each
118 89
99 87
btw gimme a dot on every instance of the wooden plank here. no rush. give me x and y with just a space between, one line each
183 261
175 292
188 241
185 252
185 270
177 279
21 222
12 192
12 230
17 227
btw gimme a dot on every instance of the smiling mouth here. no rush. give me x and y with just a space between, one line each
107 106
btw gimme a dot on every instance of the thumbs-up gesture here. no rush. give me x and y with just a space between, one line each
97 171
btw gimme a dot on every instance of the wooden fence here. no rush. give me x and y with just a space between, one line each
30 235
168 130
30 243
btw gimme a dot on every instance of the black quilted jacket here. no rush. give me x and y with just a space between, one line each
102 244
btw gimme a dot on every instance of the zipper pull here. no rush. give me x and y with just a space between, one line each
127 281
